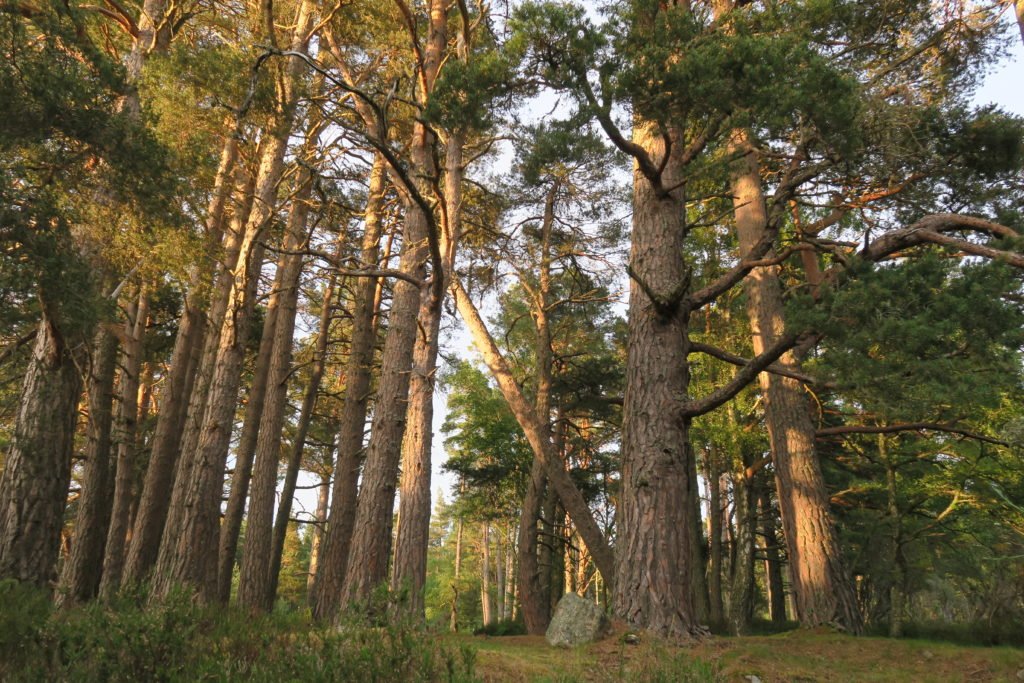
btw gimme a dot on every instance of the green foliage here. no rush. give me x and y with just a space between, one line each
179 641
72 157
925 336
486 447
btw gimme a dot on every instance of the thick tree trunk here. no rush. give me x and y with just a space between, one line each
80 576
371 535
231 527
154 501
824 592
255 586
125 486
184 554
326 597
37 470
291 477
412 537
403 352
533 598
655 569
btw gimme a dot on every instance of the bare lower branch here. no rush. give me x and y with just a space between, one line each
950 428
744 377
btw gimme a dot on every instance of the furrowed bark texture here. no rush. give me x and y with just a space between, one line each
255 586
125 483
822 587
326 596
655 568
741 599
186 559
37 470
80 576
411 539
154 500
231 527
371 536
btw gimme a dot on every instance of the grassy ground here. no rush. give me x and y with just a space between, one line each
793 656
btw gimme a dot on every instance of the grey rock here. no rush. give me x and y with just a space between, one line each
576 621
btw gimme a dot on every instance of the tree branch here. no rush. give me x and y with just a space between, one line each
907 427
742 378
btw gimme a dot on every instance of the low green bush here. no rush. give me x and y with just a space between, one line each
505 627
177 640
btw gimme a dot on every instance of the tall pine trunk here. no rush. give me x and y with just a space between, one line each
234 512
371 535
655 569
773 560
823 589
80 575
412 537
37 469
291 478
154 501
184 554
128 451
326 596
255 586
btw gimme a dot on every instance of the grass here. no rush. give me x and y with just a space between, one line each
179 641
792 657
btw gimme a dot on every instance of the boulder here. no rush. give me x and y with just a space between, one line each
576 621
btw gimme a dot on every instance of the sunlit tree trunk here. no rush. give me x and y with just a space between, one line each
536 432
255 586
410 570
80 575
291 478
322 507
125 486
231 527
184 554
326 596
824 592
154 501
371 535
655 569
37 469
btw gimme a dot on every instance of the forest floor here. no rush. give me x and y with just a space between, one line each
790 657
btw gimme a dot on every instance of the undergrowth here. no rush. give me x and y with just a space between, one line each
176 640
